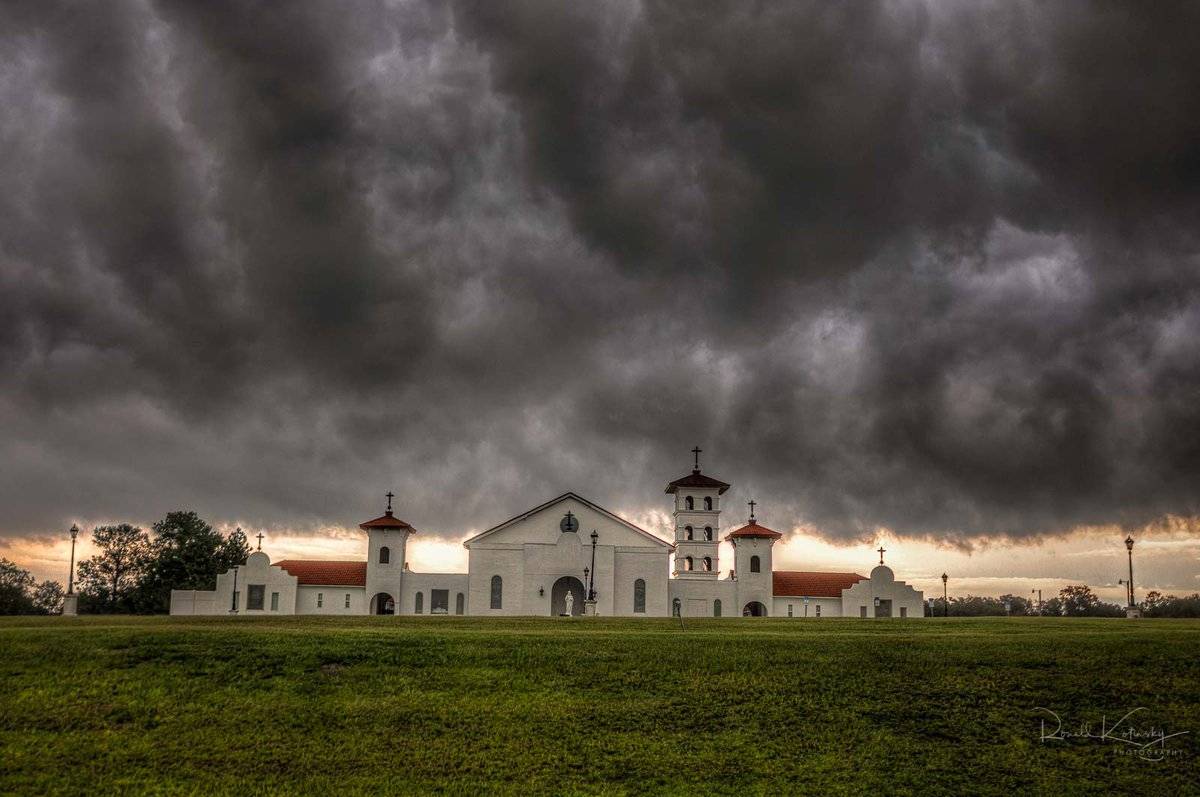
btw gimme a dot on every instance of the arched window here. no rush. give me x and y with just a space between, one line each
687 532
458 604
687 563
708 533
707 563
755 567
385 555
717 608
675 607
708 503
419 605
639 596
497 592
689 503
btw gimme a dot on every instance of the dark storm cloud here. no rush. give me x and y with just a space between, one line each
930 267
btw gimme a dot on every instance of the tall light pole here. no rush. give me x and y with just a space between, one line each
233 602
945 600
1129 548
592 581
71 574
1038 592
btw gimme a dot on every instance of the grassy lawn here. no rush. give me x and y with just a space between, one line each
403 705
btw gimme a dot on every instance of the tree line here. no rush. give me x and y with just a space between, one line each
1073 601
135 570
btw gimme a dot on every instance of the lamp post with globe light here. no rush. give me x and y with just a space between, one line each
945 600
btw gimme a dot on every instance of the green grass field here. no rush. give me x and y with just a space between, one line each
414 705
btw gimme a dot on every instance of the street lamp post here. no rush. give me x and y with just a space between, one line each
589 605
71 574
1129 548
71 600
1038 592
1132 610
233 602
945 600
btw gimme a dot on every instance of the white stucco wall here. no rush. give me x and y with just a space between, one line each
333 600
830 607
257 569
696 598
424 583
189 601
882 585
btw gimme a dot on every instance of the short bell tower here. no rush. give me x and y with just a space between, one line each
697 519
387 543
753 546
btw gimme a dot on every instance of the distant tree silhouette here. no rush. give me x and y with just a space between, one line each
108 581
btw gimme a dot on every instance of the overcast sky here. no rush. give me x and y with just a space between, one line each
926 268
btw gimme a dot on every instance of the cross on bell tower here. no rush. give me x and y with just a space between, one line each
697 451
752 504
882 550
390 496
260 538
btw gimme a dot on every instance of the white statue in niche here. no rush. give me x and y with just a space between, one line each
570 604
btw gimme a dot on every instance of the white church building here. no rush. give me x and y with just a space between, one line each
566 556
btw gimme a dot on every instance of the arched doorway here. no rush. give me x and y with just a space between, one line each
558 596
383 603
754 609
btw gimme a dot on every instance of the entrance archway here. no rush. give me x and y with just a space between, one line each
558 596
754 609
383 603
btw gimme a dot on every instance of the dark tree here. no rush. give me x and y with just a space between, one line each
16 584
48 597
109 581
186 553
1079 601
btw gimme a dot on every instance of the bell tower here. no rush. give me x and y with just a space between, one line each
697 519
753 568
387 541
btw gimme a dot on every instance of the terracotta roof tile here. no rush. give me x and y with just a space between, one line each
326 573
698 479
386 521
799 583
752 529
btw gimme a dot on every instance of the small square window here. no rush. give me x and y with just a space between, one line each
818 610
347 600
274 601
254 596
321 600
862 611
789 610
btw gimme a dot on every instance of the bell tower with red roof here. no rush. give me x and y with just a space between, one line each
697 518
387 542
753 566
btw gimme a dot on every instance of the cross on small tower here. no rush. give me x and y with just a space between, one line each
752 504
390 496
697 451
260 536
881 552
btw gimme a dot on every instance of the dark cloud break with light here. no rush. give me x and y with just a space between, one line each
932 267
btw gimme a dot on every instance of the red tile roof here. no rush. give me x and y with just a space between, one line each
326 573
386 521
698 479
799 583
752 529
